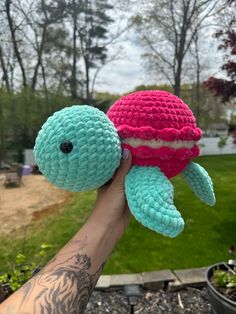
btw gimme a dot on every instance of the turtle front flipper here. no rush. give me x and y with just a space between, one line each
200 183
150 198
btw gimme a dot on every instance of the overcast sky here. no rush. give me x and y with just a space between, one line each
123 75
126 73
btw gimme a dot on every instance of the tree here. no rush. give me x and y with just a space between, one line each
57 44
79 45
196 54
40 16
50 52
40 28
5 77
168 29
74 10
13 26
91 30
226 88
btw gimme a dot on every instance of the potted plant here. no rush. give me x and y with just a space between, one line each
221 283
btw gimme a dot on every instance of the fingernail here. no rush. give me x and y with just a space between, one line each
125 153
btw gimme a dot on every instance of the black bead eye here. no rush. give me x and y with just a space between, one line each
66 147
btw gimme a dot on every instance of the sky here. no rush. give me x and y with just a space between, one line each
123 75
126 73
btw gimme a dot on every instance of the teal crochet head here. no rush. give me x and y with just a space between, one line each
78 148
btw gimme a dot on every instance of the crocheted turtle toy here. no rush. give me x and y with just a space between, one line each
79 148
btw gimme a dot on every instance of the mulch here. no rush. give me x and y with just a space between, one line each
187 300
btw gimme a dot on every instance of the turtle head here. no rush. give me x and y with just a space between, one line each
78 148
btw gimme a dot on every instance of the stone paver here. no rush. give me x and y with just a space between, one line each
157 279
192 276
104 281
120 280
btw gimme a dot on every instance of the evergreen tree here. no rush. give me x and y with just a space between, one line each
90 29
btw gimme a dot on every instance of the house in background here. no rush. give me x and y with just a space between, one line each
217 130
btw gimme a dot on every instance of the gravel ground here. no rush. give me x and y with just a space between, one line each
188 300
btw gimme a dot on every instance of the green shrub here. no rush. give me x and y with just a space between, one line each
22 270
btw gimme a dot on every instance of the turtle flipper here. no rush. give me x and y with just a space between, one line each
200 183
150 198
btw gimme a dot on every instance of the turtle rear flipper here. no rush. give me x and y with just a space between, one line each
200 183
150 198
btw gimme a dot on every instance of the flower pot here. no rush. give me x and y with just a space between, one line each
220 304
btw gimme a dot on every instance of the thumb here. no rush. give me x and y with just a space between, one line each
123 169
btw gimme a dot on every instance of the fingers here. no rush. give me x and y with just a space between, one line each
123 169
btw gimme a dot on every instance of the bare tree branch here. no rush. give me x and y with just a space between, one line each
176 23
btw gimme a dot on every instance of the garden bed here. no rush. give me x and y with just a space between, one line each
187 300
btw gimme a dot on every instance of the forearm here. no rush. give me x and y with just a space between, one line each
66 283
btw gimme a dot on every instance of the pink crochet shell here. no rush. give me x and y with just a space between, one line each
158 128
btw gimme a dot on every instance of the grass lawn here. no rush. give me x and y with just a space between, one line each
209 231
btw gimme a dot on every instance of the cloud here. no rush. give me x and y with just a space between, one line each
123 75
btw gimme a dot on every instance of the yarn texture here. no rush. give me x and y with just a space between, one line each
156 114
96 149
150 199
200 183
79 148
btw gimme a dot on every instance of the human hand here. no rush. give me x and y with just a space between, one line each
111 207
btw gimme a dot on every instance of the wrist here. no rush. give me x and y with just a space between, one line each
105 225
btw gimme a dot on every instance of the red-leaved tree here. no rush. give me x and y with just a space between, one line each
226 88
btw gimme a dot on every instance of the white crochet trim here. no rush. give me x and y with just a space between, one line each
157 143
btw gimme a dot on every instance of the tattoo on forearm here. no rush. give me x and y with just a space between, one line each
64 290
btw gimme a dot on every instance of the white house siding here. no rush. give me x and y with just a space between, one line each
209 146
